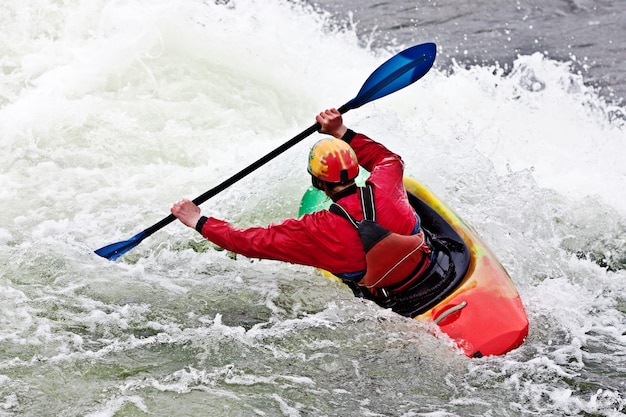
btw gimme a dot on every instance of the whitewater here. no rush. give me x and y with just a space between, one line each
110 111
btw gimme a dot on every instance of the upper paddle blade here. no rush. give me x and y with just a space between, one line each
396 73
115 250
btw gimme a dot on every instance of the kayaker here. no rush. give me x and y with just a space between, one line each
327 239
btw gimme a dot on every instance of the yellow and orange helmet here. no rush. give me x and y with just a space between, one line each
334 161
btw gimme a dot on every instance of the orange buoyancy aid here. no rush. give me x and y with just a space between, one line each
394 261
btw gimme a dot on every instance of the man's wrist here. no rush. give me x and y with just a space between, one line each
200 224
348 136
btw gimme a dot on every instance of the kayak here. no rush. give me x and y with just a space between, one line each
473 299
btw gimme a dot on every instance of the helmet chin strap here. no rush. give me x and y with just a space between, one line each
317 183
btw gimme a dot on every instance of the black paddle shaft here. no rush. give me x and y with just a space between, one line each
244 172
241 174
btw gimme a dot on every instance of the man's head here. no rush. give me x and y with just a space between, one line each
332 163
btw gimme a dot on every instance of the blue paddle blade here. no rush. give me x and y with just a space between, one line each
115 250
396 73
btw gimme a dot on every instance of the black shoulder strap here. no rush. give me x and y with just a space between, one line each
367 205
337 209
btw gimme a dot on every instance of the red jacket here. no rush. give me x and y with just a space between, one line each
323 239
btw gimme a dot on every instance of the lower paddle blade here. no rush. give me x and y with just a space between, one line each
115 250
397 72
